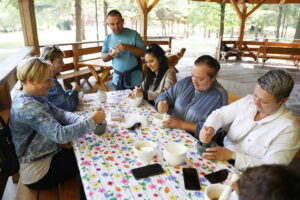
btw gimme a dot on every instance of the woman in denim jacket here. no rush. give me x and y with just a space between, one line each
38 128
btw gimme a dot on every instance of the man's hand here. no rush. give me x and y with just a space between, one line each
98 116
123 47
217 153
163 106
206 134
114 53
76 87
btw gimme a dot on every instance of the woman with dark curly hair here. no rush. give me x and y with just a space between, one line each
160 76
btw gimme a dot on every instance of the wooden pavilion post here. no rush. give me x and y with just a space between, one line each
243 16
27 14
143 6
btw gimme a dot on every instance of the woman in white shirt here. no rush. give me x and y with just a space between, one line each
262 131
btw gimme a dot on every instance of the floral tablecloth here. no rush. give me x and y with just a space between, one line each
105 162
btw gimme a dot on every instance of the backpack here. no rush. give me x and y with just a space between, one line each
9 163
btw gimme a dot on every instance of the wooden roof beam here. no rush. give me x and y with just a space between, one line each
152 5
255 8
236 7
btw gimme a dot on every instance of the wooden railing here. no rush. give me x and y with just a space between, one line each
7 81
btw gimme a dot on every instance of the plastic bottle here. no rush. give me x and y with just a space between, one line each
101 96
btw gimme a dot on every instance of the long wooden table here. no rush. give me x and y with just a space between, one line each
105 68
105 162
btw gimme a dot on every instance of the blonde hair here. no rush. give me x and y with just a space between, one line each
33 68
51 53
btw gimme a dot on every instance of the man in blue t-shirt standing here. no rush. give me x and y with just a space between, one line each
124 47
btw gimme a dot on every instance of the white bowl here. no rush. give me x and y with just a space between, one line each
175 153
213 191
145 150
135 101
159 119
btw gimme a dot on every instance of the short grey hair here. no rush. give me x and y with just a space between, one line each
277 82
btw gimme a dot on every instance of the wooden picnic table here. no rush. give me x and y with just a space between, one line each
105 162
105 68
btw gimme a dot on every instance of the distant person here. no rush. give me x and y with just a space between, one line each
160 77
192 99
262 130
38 127
124 47
268 182
64 99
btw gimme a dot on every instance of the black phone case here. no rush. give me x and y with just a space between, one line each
191 180
218 176
146 171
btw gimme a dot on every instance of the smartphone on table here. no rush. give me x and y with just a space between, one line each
218 176
191 180
146 171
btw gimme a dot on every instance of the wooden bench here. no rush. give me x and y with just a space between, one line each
282 53
69 190
161 41
249 48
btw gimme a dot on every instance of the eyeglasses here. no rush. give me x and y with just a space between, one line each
33 61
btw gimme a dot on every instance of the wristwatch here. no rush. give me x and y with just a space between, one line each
232 159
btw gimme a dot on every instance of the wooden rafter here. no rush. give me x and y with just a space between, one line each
255 8
152 5
236 7
143 6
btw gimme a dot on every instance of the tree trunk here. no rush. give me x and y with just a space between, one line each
204 33
96 16
78 20
297 34
283 25
82 27
105 17
231 32
278 21
164 31
209 33
256 30
222 5
285 30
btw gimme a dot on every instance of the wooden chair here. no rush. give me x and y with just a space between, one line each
173 60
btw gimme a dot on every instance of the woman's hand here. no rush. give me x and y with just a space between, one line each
206 134
217 153
98 116
172 122
163 106
138 92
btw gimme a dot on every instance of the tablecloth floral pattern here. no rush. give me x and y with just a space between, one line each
105 162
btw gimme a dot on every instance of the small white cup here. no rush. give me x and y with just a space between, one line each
213 191
135 101
145 150
175 153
